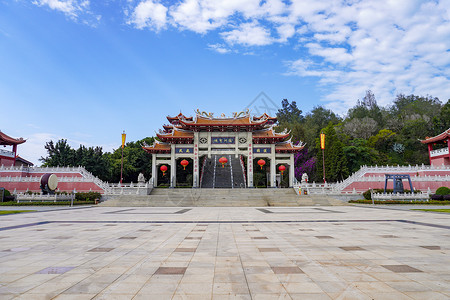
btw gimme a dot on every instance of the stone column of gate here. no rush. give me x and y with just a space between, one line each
250 160
273 167
154 170
291 170
196 167
173 166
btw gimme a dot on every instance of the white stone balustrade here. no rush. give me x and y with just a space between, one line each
438 152
6 153
401 196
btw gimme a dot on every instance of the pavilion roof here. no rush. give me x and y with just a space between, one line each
265 116
175 120
177 134
9 141
157 147
23 160
288 147
440 137
270 134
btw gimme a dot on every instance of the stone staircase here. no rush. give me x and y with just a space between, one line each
217 176
164 197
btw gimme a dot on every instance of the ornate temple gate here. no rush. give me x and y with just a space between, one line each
207 136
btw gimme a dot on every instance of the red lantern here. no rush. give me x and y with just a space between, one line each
282 168
163 169
261 163
223 161
184 163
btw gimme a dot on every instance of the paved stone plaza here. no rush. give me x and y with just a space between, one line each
225 253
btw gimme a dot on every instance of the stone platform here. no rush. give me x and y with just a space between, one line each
344 252
218 197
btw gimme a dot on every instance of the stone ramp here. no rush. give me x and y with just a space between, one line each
162 197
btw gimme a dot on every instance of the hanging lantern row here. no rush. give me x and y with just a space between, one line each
184 163
261 163
223 161
163 169
282 168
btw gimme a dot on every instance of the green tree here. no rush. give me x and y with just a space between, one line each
314 122
59 154
335 160
442 121
358 153
135 161
289 113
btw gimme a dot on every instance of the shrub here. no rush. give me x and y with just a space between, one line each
443 190
437 197
400 202
9 198
89 196
446 197
7 193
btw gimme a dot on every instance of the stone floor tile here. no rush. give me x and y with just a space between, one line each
231 297
401 268
427 295
109 296
287 270
188 288
228 288
181 296
304 296
86 287
170 271
408 286
269 250
75 296
265 288
271 296
140 296
431 247
151 288
352 248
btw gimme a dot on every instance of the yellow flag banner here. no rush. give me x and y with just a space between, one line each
124 136
322 141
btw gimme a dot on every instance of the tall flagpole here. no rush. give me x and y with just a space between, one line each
121 165
322 145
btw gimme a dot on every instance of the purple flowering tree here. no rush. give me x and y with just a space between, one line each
304 163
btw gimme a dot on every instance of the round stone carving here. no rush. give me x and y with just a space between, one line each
242 140
203 140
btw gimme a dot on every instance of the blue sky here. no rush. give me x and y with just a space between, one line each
86 70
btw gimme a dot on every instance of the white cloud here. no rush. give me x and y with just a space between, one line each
219 48
33 148
74 9
248 34
149 14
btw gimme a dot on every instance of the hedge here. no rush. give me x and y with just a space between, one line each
88 196
400 202
443 190
46 203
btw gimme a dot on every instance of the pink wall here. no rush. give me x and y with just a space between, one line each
62 186
439 161
34 186
7 161
417 185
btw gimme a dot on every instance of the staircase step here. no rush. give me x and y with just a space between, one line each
221 197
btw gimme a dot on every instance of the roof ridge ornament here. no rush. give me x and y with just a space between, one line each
204 114
242 113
